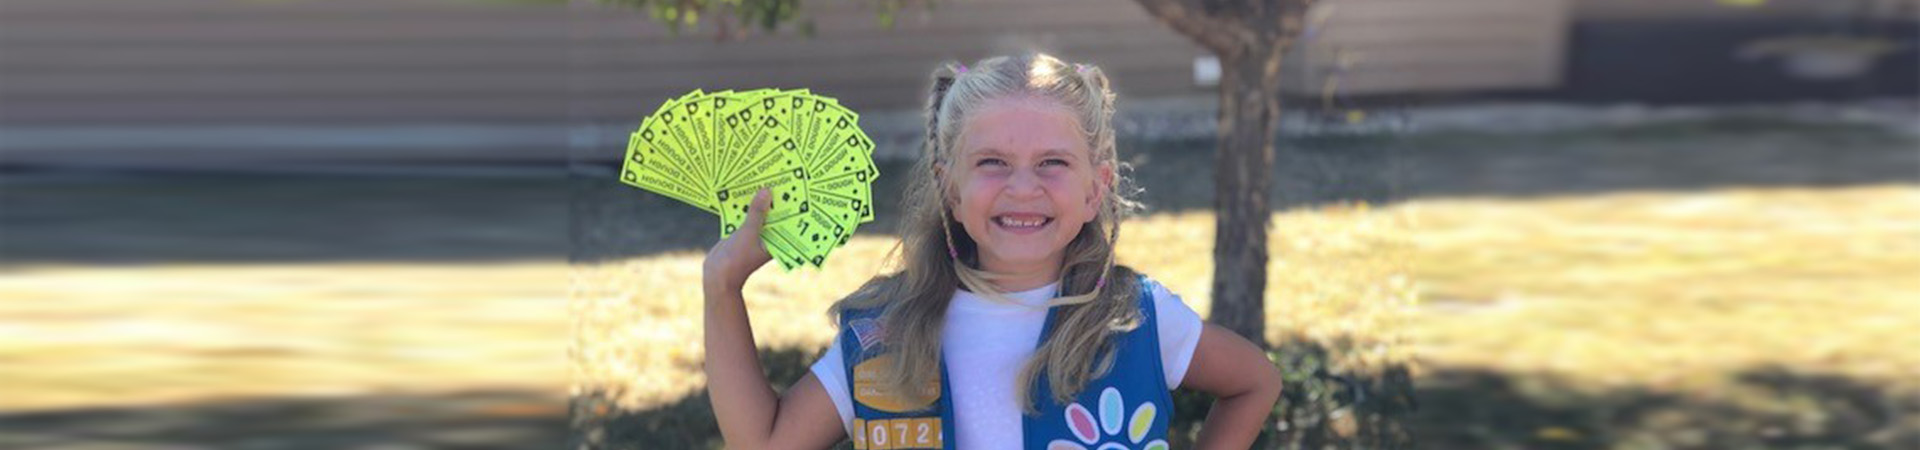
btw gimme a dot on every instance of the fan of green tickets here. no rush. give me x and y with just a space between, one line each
714 150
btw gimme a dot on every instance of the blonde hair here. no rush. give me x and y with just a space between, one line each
1096 296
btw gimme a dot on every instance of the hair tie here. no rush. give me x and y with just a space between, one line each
1081 68
959 68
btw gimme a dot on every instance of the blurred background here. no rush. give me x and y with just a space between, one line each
392 224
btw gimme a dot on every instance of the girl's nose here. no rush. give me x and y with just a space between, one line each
1024 184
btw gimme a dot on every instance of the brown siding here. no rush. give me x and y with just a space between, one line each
1401 46
380 61
374 61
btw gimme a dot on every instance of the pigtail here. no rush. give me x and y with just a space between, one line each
1100 98
943 79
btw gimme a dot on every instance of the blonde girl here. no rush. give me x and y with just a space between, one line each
1008 324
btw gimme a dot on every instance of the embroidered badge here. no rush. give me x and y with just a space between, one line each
869 390
1105 434
868 332
897 433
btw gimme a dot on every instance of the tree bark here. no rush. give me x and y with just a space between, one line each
1243 167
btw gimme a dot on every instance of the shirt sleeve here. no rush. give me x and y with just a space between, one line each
831 372
1180 330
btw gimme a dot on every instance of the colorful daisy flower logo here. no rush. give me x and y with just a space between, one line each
1104 434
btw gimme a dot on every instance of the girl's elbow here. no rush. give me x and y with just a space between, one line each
1271 382
1256 383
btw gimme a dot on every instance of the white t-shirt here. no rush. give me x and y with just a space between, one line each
984 344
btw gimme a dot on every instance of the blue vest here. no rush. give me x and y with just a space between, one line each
1127 408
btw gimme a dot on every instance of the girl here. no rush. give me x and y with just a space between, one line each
1008 325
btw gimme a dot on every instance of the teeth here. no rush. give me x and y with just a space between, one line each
1022 223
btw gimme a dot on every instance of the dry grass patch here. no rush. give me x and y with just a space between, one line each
74 336
1674 291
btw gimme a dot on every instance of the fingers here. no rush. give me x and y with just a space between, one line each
757 211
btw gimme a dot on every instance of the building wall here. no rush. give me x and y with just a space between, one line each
354 61
381 61
216 77
361 61
1374 47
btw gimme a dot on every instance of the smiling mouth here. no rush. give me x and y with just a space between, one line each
1022 222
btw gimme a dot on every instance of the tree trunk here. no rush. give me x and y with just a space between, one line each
1243 168
1248 37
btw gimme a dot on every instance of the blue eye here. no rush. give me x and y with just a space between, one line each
1060 162
987 161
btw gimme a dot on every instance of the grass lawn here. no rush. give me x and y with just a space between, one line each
1691 303
1713 285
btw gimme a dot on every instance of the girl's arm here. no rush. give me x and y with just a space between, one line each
1244 385
750 414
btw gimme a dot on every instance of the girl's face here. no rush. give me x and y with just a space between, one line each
1025 182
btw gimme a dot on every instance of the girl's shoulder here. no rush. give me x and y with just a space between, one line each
1162 297
1139 281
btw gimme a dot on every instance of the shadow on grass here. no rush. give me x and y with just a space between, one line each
684 424
1324 408
1673 156
259 219
1448 408
1763 408
467 420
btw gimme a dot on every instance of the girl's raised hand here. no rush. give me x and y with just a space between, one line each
735 258
750 413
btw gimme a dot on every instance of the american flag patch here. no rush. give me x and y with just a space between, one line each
868 332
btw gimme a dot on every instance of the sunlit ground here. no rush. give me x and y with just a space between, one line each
1671 291
127 336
